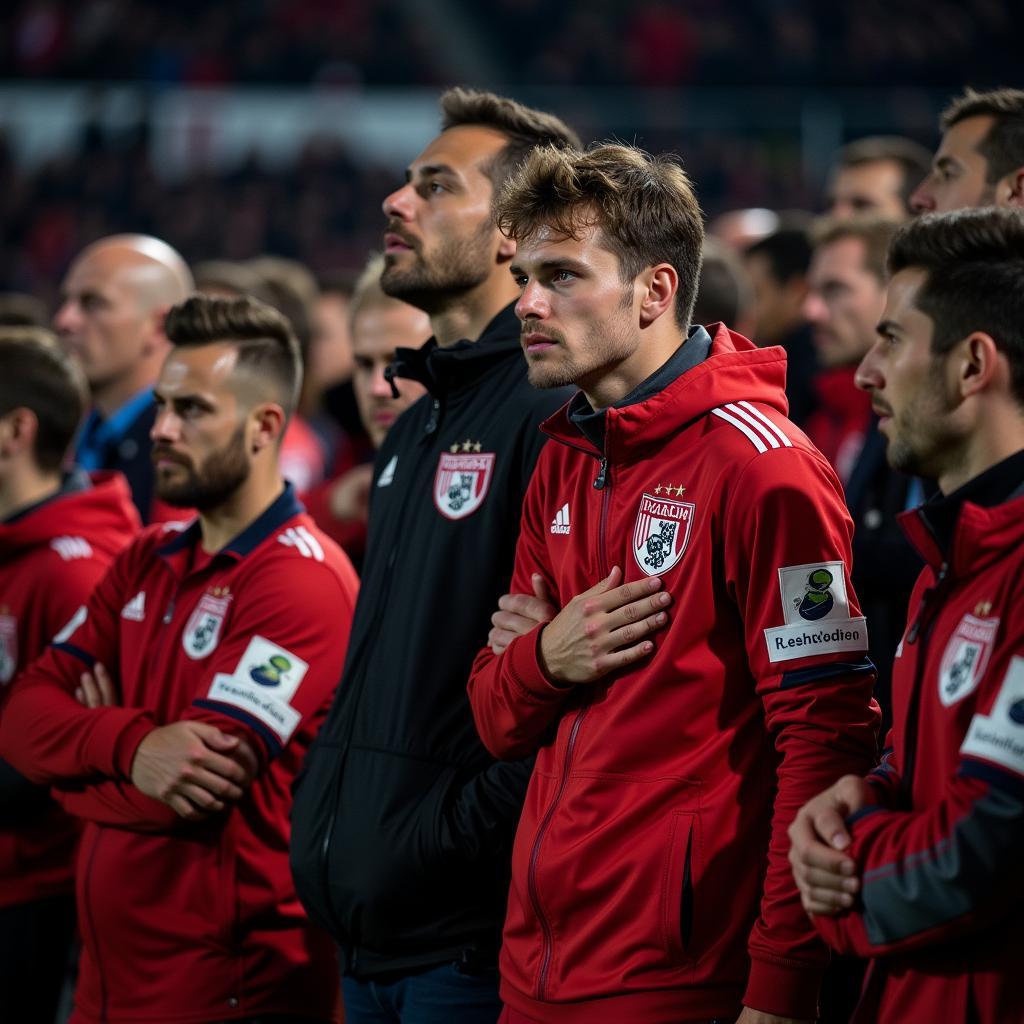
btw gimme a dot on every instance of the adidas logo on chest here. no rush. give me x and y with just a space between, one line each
560 524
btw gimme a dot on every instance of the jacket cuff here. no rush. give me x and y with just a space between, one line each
115 739
527 672
783 989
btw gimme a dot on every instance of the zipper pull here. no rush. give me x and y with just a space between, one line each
435 416
602 476
168 615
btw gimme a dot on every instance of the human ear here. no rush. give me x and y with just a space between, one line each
660 286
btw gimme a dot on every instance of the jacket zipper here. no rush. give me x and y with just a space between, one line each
604 485
535 855
87 907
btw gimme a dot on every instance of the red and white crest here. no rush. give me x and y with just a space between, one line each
965 658
461 483
202 631
8 647
661 533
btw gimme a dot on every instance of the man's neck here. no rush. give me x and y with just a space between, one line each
222 524
609 385
466 317
25 489
109 398
981 452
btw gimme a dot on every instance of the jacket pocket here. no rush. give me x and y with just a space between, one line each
677 903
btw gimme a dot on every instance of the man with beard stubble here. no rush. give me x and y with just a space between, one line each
403 822
203 663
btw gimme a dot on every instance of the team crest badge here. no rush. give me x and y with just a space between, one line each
202 631
461 483
8 647
966 657
661 533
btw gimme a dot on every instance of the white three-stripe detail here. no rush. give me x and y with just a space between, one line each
754 425
773 427
753 438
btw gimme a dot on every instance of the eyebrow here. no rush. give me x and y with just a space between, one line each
887 327
945 161
554 264
178 399
429 170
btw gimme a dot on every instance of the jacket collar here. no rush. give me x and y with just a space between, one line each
446 370
974 524
284 507
734 370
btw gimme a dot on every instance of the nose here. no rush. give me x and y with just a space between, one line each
921 199
379 386
532 305
814 309
869 375
399 203
166 427
67 317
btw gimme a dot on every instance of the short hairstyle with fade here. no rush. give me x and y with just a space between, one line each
974 265
875 232
36 374
267 346
914 160
1003 146
643 205
524 127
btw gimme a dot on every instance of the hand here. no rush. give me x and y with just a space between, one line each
350 496
818 835
519 613
603 629
193 767
96 689
749 1016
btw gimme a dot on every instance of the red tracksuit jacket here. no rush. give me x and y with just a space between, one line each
650 880
50 560
183 922
941 853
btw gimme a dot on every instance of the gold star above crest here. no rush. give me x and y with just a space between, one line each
679 491
476 446
658 489
467 446
983 608
454 448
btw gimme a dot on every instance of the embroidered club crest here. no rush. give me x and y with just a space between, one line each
461 483
661 533
8 648
965 658
202 631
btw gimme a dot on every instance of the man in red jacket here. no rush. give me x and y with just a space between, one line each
206 657
918 864
703 667
58 534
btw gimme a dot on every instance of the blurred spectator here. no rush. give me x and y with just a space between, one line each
723 292
980 161
228 280
848 281
777 267
379 326
876 176
17 310
740 229
111 318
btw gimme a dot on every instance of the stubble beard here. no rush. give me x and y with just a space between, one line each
214 482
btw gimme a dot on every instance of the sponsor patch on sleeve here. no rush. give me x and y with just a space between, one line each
816 614
263 684
998 737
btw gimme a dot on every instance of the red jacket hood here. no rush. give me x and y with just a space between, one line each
103 515
735 370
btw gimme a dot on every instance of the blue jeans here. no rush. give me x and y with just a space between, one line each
443 995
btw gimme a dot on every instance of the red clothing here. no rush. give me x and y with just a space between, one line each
660 793
302 456
50 559
840 420
942 888
193 922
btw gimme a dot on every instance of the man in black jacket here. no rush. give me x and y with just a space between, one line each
403 822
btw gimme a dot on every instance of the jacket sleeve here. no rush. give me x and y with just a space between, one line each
938 873
44 732
513 702
275 669
787 556
119 804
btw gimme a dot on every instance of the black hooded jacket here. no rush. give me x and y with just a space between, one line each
403 823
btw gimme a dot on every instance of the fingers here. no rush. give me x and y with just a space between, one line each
533 608
614 660
186 809
87 692
647 608
518 625
205 788
830 826
540 589
105 684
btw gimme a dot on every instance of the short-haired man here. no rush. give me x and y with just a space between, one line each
403 821
923 875
875 176
111 318
206 658
980 160
703 665
58 533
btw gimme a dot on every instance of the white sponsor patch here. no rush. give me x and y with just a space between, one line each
999 736
263 684
202 631
8 648
72 624
816 613
461 483
965 658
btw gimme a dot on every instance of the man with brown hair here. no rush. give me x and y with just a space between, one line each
980 161
403 821
875 176
917 865
696 662
206 658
